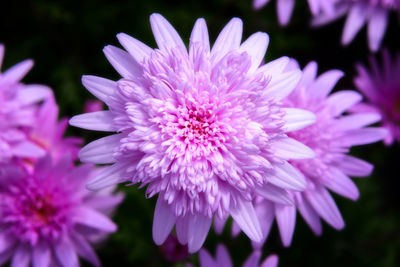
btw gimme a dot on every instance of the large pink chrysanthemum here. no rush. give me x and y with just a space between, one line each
360 12
18 104
223 259
285 8
204 129
381 86
48 217
331 138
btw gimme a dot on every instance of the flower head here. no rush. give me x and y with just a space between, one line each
49 217
360 12
204 129
381 87
18 105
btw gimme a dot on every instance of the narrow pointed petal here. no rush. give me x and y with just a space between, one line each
94 219
101 88
309 214
376 28
275 194
289 148
325 206
100 151
355 167
138 50
286 219
199 225
325 83
287 177
41 255
341 184
340 101
200 34
164 33
256 46
309 74
229 39
245 216
297 119
253 260
266 215
283 85
66 254
96 121
85 250
122 62
284 10
355 20
163 221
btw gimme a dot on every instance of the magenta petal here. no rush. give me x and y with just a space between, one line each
22 256
94 219
6 241
164 33
286 219
84 249
122 62
27 149
253 260
164 220
41 255
138 50
354 167
199 225
223 257
66 254
16 72
341 184
376 28
245 216
309 215
97 121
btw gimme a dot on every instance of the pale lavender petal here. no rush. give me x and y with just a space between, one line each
340 101
164 33
163 221
101 150
229 39
257 4
323 19
97 121
286 219
256 46
283 84
85 250
287 177
206 260
41 255
101 88
16 72
94 219
199 225
325 206
138 50
223 258
363 136
253 260
271 261
324 84
122 62
297 119
182 228
275 194
27 149
284 10
356 121
289 148
355 20
309 214
199 34
31 94
266 215
245 216
376 28
22 256
66 253
219 225
355 167
309 74
275 67
109 176
341 184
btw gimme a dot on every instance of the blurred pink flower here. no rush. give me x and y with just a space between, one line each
381 86
48 217
223 259
360 12
202 128
285 8
18 104
92 106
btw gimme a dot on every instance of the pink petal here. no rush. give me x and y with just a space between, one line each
109 176
289 148
122 62
284 10
286 219
271 261
22 256
340 101
309 215
41 255
229 39
275 67
257 4
16 72
355 121
325 83
30 94
341 184
164 220
85 250
275 194
363 136
66 253
223 258
309 75
165 35
96 121
266 214
297 119
94 219
182 228
256 46
199 225
138 50
101 88
245 216
219 225
283 85
355 20
287 177
354 167
376 28
325 206
27 150
206 259
253 260
101 150
200 34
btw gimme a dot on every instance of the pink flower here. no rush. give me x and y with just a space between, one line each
331 138
48 218
359 12
223 259
18 104
381 86
202 128
285 8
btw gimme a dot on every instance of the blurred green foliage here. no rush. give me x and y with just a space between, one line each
65 39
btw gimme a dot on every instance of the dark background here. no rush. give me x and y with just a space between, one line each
65 38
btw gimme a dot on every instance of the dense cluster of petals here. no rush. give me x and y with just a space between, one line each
204 129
